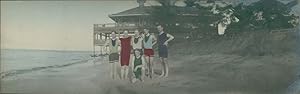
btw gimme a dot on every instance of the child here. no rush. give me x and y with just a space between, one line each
138 63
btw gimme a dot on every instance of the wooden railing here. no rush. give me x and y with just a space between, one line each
105 25
113 25
106 28
100 31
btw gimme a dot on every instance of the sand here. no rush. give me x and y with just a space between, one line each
204 74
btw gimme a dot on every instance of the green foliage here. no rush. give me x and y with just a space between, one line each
275 15
164 15
190 3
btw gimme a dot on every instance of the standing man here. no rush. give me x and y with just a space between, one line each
113 45
137 41
125 54
163 41
149 41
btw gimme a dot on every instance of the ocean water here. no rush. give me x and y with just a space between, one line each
13 60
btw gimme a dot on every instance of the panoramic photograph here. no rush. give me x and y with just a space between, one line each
150 47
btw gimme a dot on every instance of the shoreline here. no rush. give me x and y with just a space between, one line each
215 74
5 74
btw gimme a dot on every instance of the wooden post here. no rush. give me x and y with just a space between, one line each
119 34
100 50
106 38
94 35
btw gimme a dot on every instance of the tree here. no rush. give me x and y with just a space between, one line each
190 3
264 14
165 14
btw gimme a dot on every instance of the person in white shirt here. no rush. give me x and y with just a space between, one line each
137 41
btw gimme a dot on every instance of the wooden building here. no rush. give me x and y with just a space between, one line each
137 18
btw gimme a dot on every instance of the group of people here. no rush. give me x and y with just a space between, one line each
137 53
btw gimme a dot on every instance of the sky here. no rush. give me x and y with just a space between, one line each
55 25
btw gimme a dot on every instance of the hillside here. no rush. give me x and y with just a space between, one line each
259 62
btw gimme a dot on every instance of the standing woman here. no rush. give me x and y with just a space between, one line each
113 45
149 41
125 54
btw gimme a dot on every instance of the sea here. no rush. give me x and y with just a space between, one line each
18 60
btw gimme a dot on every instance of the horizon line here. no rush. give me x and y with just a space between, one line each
44 49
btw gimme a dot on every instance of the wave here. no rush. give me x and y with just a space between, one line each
22 71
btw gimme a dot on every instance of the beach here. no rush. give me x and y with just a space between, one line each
58 47
204 74
237 64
